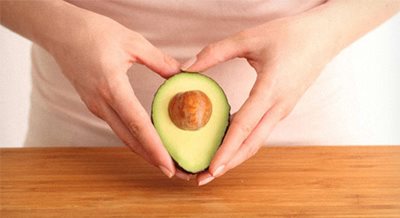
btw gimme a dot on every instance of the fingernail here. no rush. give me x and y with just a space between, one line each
166 171
188 63
218 171
183 176
206 180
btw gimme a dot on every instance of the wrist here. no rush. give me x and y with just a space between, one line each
339 23
68 24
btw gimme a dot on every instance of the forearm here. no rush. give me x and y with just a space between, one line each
45 22
343 21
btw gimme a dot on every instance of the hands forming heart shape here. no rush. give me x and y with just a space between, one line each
287 60
288 54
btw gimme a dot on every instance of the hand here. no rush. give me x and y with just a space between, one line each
95 59
288 54
287 58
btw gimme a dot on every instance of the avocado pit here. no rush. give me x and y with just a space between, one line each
190 110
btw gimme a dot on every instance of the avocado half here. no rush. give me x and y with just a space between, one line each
192 149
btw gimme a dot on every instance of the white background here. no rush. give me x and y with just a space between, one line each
376 67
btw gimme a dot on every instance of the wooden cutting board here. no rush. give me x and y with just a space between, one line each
278 181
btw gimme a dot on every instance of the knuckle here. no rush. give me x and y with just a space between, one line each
242 37
244 127
95 109
258 95
135 128
139 43
203 53
210 48
106 89
105 92
283 110
247 42
223 50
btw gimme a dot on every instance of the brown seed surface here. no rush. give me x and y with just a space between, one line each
190 110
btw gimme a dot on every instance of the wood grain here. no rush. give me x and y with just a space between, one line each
279 181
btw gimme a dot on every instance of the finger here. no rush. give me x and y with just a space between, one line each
156 60
119 128
204 178
124 102
182 175
256 139
245 120
218 52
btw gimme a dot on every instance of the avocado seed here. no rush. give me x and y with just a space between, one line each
190 110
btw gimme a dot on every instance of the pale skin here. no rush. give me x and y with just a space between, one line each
288 54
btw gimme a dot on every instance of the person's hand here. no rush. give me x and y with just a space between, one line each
287 57
95 59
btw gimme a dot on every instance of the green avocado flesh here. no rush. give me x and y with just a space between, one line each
193 150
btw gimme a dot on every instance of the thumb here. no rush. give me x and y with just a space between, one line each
156 60
215 53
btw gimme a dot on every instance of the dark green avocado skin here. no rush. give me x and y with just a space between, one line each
226 130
